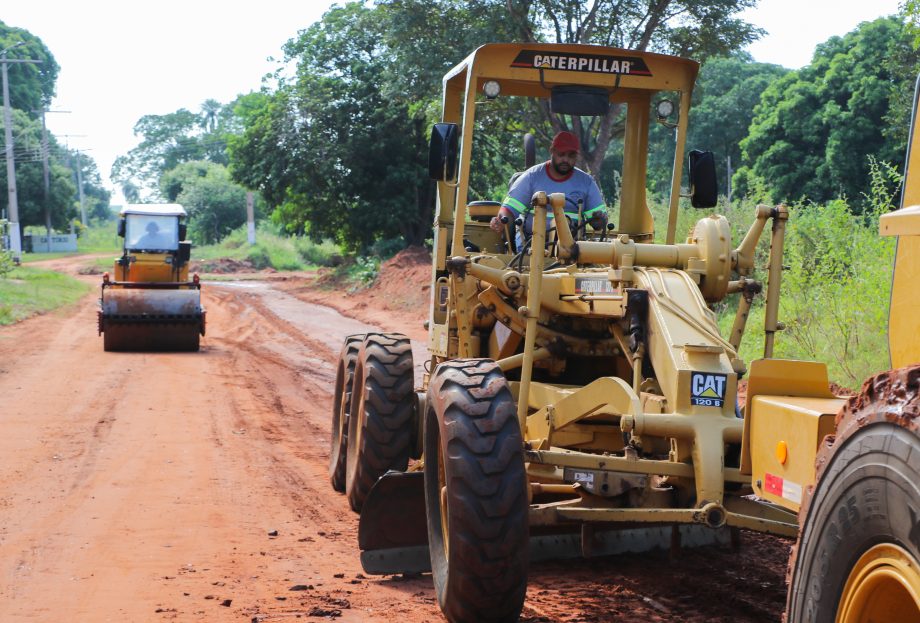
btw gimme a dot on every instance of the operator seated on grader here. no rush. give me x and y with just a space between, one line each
584 201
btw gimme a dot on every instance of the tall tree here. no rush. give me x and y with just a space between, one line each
216 205
815 127
340 150
726 92
31 85
694 28
30 177
96 197
177 137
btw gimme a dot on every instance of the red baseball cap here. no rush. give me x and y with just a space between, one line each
564 142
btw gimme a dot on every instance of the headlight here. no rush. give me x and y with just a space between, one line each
665 109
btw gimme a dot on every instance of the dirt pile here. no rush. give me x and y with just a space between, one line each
403 282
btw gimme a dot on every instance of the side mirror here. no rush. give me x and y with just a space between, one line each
704 189
183 231
121 227
185 252
442 152
579 100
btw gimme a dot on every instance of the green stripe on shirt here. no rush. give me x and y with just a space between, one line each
517 205
593 210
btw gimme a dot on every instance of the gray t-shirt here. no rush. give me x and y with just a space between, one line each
578 187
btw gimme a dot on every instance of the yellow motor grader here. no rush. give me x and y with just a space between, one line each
580 400
149 302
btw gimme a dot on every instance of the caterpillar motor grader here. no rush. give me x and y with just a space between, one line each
580 400
149 302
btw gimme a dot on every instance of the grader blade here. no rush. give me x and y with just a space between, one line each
393 534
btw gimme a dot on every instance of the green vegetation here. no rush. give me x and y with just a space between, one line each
31 88
26 291
814 128
271 250
337 148
100 237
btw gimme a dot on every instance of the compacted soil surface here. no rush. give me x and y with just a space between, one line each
194 486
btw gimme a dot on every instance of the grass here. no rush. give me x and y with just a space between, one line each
271 250
97 238
27 291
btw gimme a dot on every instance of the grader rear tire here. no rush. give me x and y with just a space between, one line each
382 421
858 554
475 494
344 380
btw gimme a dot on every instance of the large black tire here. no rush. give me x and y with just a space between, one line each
475 493
382 420
858 554
344 378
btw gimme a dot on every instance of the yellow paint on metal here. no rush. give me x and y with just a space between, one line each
801 422
883 585
903 337
149 267
904 222
781 377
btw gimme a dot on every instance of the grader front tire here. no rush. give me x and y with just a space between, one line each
382 420
858 554
475 494
344 381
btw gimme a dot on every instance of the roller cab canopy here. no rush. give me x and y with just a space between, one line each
157 209
152 228
636 81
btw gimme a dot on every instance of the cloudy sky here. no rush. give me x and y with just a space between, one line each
122 60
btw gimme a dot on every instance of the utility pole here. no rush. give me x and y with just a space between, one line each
15 239
728 182
250 218
46 173
80 189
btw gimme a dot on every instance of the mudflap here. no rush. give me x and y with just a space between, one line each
393 530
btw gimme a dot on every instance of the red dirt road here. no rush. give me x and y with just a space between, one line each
150 487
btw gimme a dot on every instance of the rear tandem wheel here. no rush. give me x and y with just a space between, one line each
857 559
475 493
382 420
344 380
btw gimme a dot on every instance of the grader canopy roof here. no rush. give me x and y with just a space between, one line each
518 68
578 80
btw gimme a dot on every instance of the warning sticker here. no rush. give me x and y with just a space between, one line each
707 390
780 487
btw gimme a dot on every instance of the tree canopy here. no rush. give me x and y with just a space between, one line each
30 184
181 136
340 149
31 85
215 204
814 128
